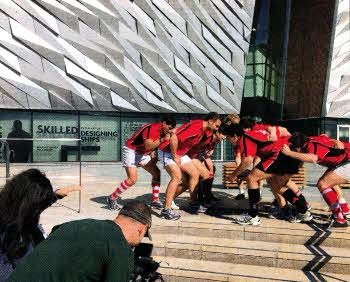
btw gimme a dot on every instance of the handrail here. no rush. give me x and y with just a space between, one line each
4 141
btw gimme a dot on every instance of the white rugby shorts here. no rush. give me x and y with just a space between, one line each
131 158
343 171
167 158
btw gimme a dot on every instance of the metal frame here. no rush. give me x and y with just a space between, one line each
7 148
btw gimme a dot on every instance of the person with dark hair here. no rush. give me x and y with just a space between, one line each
331 153
20 150
22 200
137 153
173 154
89 249
274 166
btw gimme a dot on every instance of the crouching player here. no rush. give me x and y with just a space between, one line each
173 154
136 152
200 155
322 150
275 167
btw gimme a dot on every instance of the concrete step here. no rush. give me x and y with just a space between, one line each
279 255
191 270
271 230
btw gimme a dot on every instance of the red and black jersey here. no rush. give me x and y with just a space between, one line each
255 143
188 134
148 131
203 146
328 156
264 127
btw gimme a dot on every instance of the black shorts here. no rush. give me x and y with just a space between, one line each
282 165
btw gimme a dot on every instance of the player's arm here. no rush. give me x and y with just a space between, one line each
244 165
272 133
174 144
304 157
247 150
337 144
238 158
151 144
210 164
256 161
284 131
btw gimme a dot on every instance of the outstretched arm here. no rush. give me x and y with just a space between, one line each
62 192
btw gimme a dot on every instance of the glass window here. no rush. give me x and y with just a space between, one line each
217 152
259 83
131 124
343 133
52 125
228 151
10 125
249 87
101 137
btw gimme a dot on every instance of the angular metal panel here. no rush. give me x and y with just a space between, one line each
122 55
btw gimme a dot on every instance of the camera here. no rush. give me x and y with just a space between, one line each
144 265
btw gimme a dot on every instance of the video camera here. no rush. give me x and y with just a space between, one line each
144 265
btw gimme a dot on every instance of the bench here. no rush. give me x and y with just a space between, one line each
67 148
299 179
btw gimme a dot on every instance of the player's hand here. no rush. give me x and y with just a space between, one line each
66 190
231 178
272 137
177 160
285 149
338 144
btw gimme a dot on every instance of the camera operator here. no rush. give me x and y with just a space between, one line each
88 249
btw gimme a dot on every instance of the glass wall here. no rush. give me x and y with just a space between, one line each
102 135
20 120
54 126
263 79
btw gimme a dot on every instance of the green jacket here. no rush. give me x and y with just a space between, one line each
82 250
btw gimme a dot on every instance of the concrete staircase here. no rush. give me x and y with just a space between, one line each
212 248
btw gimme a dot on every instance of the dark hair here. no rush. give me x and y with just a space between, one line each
247 123
22 200
232 130
138 211
298 139
169 120
17 124
212 115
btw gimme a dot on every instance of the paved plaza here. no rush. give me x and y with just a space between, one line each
210 247
100 179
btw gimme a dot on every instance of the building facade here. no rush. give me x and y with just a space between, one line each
98 70
307 44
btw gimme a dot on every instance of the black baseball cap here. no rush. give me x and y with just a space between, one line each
140 212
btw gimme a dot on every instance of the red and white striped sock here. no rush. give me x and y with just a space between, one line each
155 189
344 206
331 198
123 186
